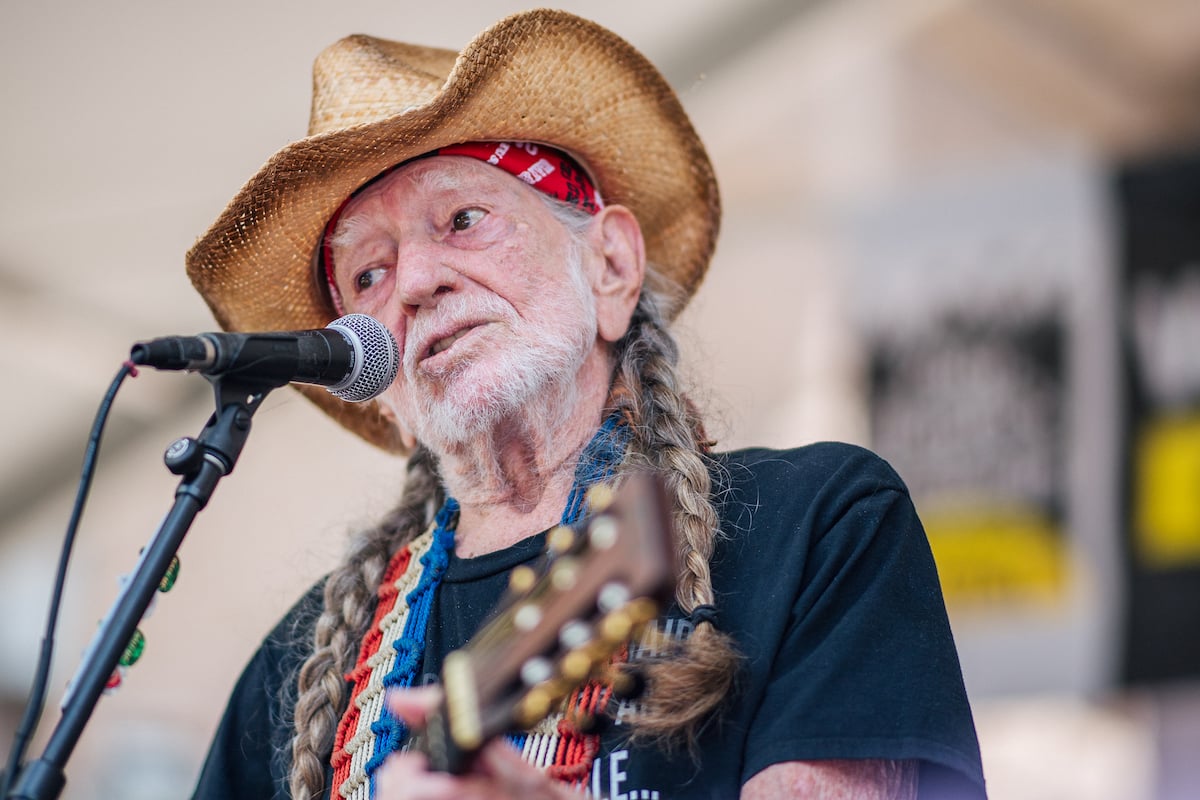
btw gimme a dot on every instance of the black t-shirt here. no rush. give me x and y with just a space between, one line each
823 577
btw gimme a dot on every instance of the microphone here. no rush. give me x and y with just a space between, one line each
355 357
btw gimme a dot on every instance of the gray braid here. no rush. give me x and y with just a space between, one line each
669 437
350 598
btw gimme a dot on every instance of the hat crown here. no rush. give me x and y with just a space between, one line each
362 79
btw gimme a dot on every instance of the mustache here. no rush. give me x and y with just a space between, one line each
452 312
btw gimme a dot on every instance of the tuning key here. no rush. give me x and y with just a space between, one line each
536 670
574 634
616 627
522 579
559 540
600 497
602 532
619 625
642 610
612 596
629 684
538 701
577 665
564 574
527 617
533 708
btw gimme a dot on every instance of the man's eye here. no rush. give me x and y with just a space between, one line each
368 278
466 218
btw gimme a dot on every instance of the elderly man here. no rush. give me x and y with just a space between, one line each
527 217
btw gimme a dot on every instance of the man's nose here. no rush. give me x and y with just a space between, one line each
422 277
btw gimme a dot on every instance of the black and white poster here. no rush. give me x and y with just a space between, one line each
1160 214
986 309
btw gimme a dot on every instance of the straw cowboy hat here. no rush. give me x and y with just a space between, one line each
541 76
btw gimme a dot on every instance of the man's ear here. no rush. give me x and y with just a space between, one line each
618 283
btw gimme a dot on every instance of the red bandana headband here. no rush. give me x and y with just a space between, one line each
545 168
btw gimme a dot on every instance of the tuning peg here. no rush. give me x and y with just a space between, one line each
536 670
574 634
602 532
612 596
559 540
642 610
527 617
522 579
537 702
600 497
564 574
629 684
533 708
620 624
577 665
616 627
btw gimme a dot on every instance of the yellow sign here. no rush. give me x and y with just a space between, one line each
1166 515
997 555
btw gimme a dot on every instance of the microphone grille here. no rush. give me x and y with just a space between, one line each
379 358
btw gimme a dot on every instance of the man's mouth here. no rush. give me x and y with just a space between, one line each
442 344
447 341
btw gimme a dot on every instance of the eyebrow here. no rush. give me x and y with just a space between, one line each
349 230
438 181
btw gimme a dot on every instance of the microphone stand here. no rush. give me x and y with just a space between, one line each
201 462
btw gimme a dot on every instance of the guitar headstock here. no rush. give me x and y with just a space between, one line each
600 582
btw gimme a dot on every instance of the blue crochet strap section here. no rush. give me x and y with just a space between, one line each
389 730
598 462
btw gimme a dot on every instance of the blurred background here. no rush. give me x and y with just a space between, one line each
965 233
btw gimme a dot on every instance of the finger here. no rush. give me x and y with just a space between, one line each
406 776
518 777
414 705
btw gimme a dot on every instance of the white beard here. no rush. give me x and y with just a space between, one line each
531 375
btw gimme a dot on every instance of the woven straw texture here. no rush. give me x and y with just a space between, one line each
543 76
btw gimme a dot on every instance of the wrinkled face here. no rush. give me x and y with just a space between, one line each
484 289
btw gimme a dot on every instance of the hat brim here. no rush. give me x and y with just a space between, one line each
543 76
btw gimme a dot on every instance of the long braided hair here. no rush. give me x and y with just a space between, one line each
668 436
